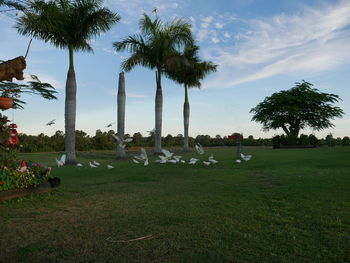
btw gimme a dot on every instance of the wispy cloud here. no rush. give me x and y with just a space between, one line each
311 41
131 11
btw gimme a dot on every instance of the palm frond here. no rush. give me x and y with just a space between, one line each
66 23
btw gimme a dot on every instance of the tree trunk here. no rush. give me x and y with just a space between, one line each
158 114
186 114
70 112
121 115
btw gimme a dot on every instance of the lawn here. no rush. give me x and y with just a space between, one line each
282 206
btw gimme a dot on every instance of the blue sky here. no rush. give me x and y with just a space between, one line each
261 46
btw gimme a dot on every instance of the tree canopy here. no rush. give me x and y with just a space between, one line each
158 44
297 108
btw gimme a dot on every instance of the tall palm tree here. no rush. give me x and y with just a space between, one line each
121 115
67 24
156 47
189 73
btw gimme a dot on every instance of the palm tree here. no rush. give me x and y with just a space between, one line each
189 73
121 115
67 24
157 47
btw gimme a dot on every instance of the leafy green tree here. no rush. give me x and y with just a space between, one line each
83 141
189 73
313 140
297 108
57 140
67 24
330 141
346 141
304 139
156 48
137 139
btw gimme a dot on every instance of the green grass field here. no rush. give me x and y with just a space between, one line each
282 206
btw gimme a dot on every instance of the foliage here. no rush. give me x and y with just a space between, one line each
158 44
295 109
23 177
15 4
191 69
66 23
33 87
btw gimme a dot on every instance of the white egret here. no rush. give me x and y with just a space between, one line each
96 163
211 159
61 161
92 165
199 148
246 157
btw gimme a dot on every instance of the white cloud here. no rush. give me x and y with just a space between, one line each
227 35
215 40
204 25
208 19
219 25
132 11
312 41
111 51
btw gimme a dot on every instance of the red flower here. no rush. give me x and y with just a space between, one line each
1 182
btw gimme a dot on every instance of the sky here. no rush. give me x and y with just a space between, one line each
260 47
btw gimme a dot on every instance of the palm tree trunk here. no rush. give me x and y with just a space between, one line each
121 115
70 112
186 119
158 114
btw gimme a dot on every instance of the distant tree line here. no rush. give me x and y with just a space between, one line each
105 141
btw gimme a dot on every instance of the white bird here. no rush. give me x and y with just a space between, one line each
182 161
167 153
152 131
122 143
96 163
92 165
142 157
177 158
246 157
162 159
206 163
199 148
110 125
109 166
211 159
79 165
238 161
193 161
61 161
51 122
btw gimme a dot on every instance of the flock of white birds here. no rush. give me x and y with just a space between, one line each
167 157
